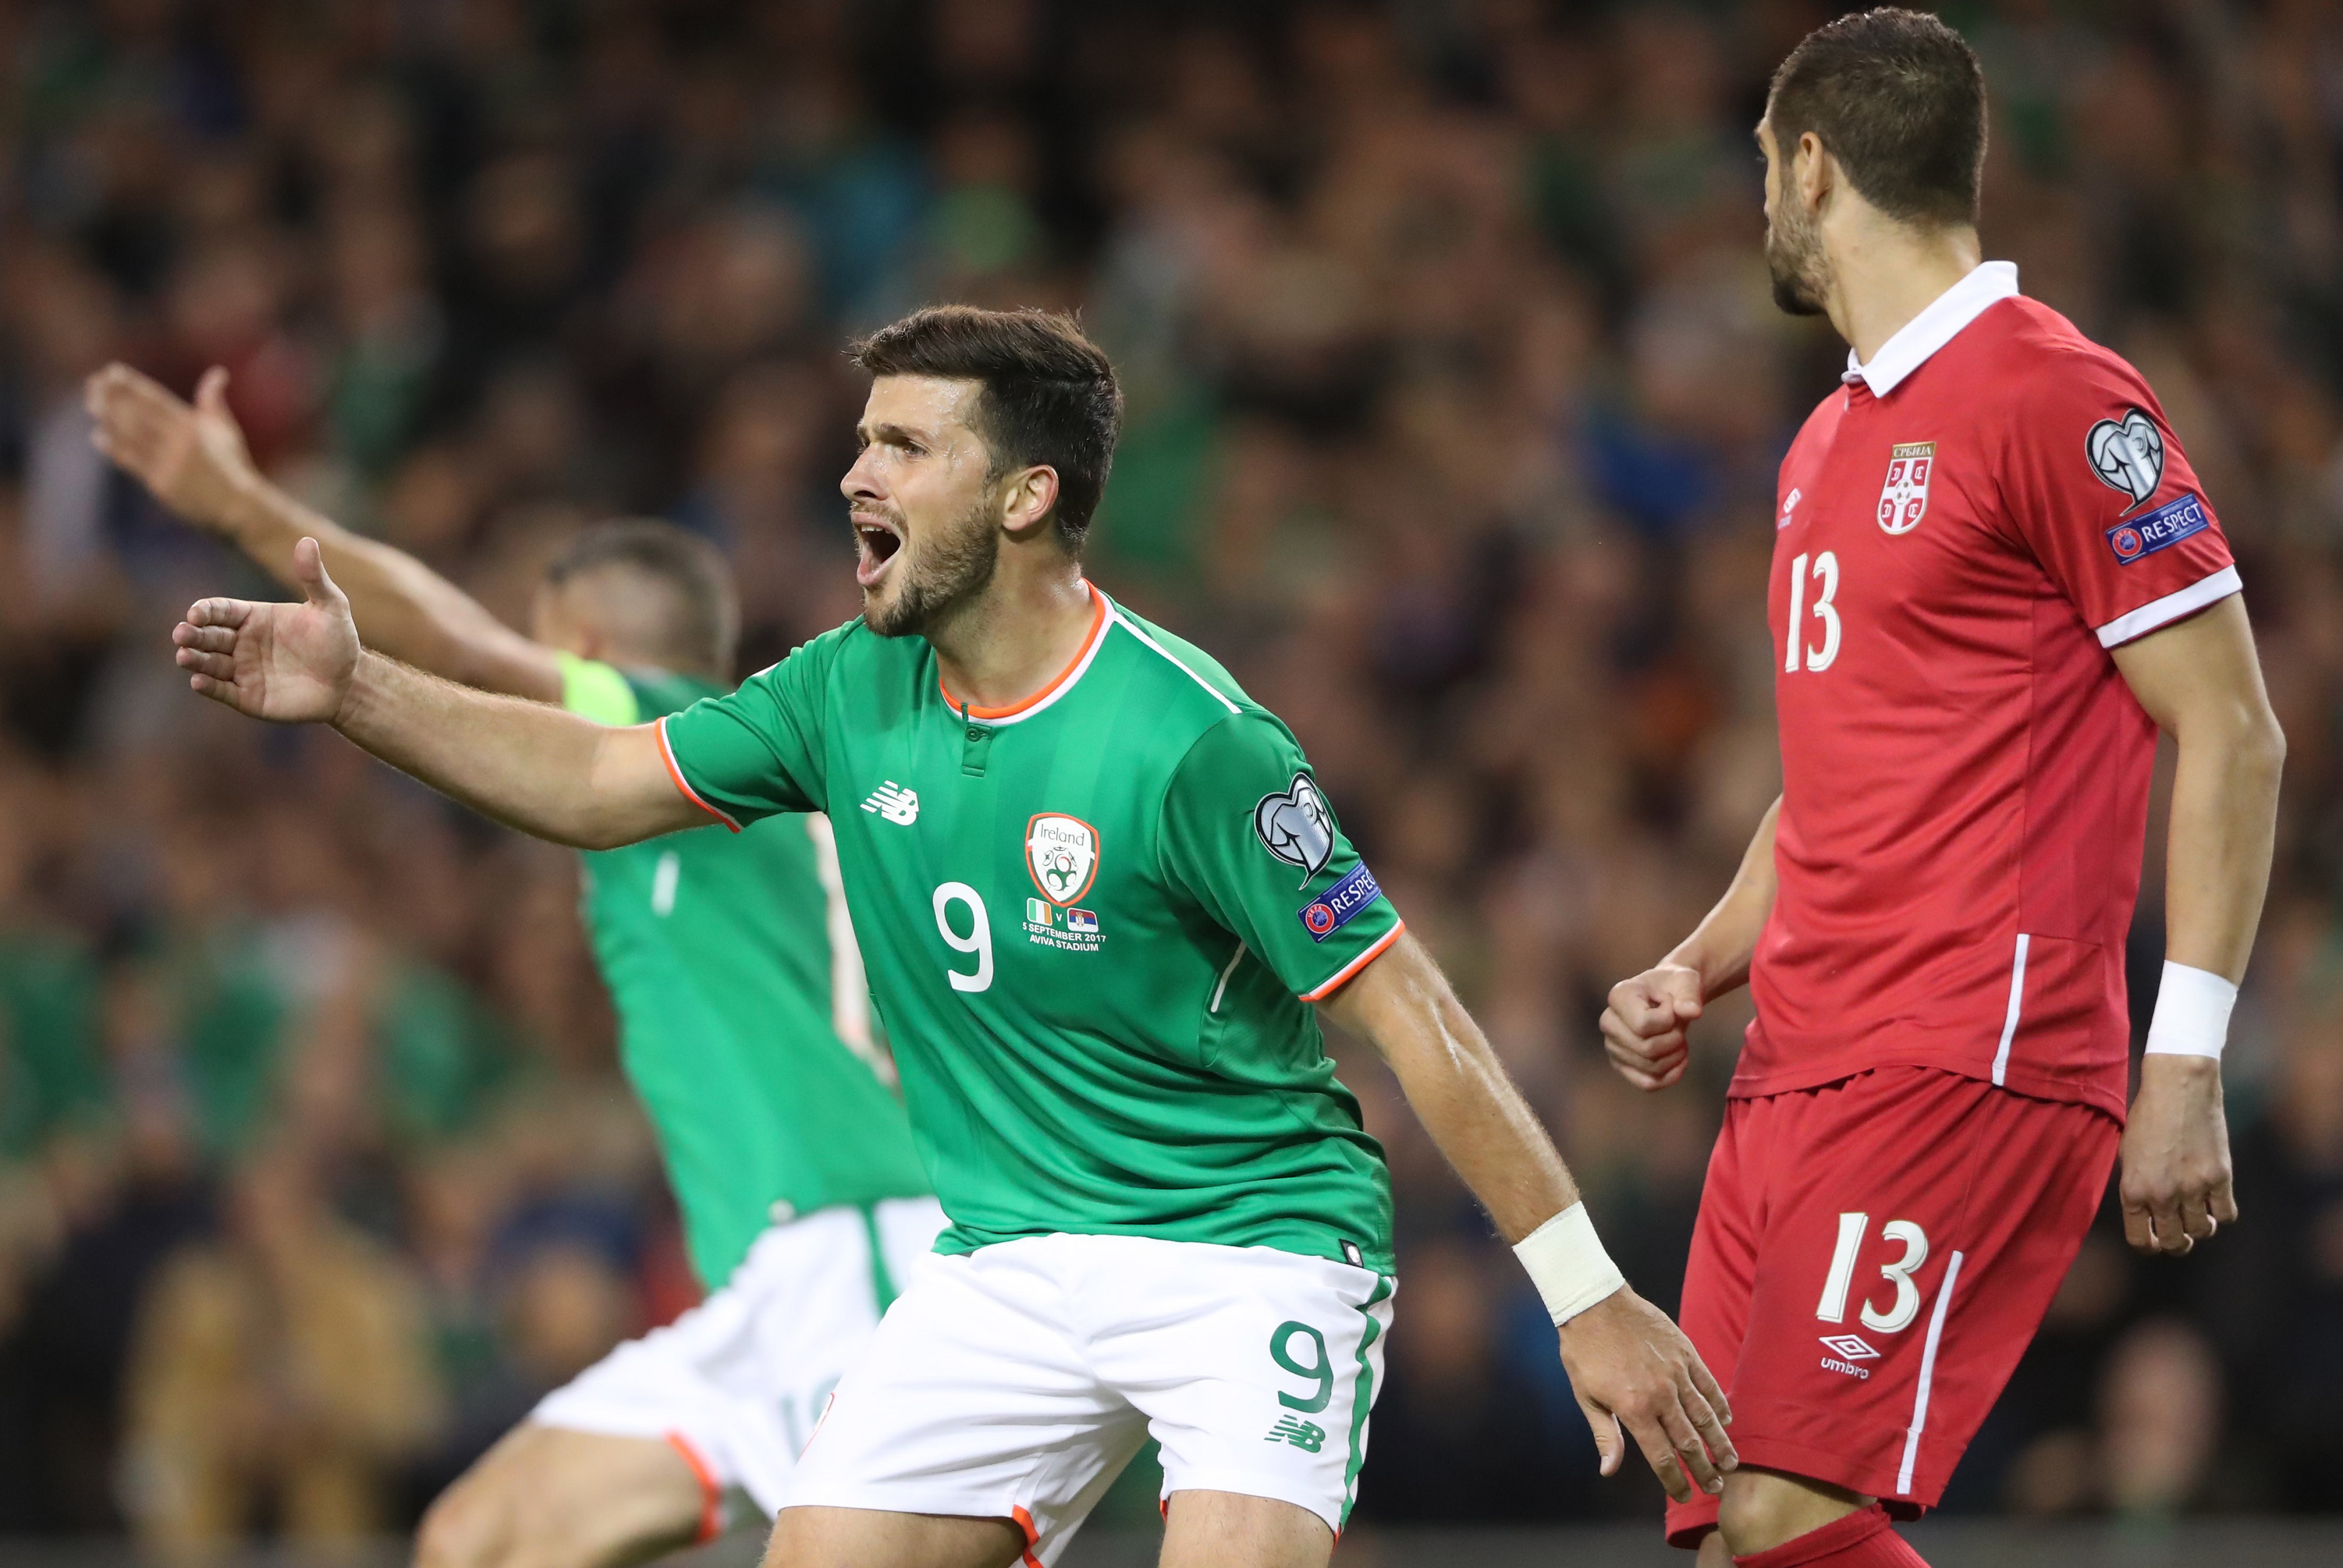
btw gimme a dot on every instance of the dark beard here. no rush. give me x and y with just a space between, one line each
956 567
1788 253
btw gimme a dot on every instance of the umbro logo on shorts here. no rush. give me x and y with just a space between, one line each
897 804
1845 1350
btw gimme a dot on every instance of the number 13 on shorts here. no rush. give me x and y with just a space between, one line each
1899 1314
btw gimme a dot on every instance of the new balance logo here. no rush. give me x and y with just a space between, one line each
897 804
1297 1432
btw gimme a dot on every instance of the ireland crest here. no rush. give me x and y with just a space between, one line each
1903 499
1062 854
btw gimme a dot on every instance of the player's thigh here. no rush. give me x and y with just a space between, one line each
973 1400
548 1498
1919 1223
1721 1271
1229 1530
872 1538
1256 1369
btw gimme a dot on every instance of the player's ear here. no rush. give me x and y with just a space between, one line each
1813 172
1030 497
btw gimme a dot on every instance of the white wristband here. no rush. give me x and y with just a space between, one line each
2192 1014
1568 1265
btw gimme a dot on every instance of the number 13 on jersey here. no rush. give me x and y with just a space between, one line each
1818 658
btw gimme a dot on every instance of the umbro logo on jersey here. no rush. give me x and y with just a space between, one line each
1787 508
2128 455
1295 827
1903 497
897 804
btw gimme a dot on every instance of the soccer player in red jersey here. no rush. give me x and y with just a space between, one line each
1994 579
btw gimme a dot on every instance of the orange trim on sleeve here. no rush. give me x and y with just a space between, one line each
674 771
1098 629
1342 976
1032 1537
711 1490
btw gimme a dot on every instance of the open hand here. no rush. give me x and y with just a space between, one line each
192 456
1643 1026
1630 1365
289 663
2176 1186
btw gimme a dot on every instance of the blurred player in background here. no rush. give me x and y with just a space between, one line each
1994 579
744 1025
1099 894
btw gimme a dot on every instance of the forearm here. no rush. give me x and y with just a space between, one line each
524 764
1459 1090
403 608
2224 821
1722 947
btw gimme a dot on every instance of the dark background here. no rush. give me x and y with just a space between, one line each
1455 400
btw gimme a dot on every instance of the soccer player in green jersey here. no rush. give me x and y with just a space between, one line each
743 1013
1100 896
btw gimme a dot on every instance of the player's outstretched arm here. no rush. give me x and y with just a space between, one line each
529 765
192 456
1644 1023
2201 681
1627 1363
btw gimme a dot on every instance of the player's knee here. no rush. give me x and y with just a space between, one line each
488 1522
461 1529
1761 1511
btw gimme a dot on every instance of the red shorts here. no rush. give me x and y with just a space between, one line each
1871 1259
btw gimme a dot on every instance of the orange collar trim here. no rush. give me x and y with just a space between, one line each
1073 667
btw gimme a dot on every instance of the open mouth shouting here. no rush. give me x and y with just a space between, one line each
877 540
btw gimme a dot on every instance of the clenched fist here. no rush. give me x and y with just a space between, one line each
1643 1026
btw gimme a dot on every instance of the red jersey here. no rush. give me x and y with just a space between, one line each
1965 528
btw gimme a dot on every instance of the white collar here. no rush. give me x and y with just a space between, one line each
1988 283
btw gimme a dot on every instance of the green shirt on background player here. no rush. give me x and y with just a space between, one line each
744 1026
743 1018
1097 924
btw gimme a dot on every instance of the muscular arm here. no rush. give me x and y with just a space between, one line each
1627 1363
1644 1024
2201 682
193 458
526 764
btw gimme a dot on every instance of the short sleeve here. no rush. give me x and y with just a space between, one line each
757 751
2100 491
1246 833
595 691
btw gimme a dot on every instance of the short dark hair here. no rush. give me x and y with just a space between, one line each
1049 395
694 624
1898 98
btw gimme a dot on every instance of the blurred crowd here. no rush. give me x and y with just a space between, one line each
1456 398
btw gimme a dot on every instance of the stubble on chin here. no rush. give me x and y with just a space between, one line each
1790 258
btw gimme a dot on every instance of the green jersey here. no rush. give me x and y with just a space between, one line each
743 1016
1095 923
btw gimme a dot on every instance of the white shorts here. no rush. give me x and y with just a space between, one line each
738 1383
1017 1381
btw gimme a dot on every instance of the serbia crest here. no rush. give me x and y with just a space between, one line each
1904 498
1062 854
